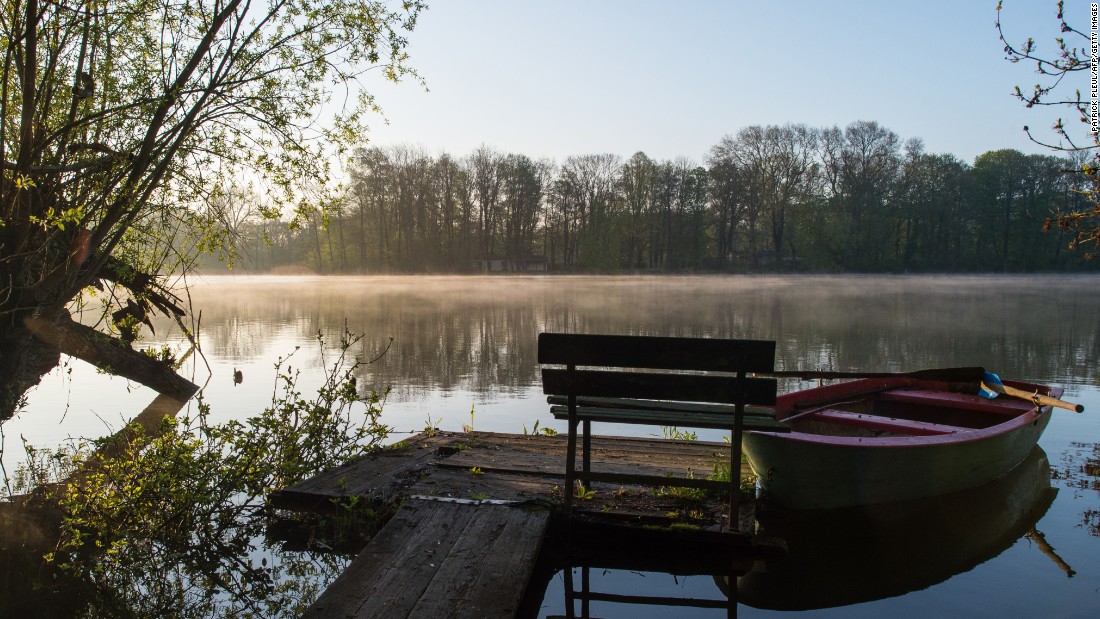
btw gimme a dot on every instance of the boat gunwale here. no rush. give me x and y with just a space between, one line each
1020 419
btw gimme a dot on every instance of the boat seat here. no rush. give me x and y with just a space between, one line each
966 401
886 424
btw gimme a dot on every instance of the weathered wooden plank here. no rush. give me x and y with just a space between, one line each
691 419
649 386
373 577
544 455
486 572
632 478
460 483
377 476
662 405
551 468
679 353
438 559
516 467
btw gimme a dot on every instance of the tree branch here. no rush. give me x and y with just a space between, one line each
110 355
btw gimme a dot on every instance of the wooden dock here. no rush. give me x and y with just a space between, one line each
477 507
441 559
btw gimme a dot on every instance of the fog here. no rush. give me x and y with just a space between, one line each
479 333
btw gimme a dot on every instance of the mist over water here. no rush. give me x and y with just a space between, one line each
464 342
479 333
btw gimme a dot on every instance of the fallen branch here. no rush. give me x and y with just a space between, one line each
110 355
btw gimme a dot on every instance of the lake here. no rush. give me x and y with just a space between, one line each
464 353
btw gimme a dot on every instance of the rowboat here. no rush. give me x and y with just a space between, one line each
881 440
859 554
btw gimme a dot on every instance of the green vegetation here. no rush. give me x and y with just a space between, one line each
536 430
674 433
469 427
431 426
173 523
583 494
125 124
773 198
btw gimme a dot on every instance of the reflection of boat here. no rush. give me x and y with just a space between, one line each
859 554
891 439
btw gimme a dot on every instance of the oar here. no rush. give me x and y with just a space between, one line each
992 387
942 374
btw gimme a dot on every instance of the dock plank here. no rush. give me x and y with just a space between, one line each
379 476
546 455
460 483
374 576
479 581
513 467
391 473
441 559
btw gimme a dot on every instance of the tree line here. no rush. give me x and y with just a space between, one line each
791 197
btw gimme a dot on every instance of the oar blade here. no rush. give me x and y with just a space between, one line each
991 386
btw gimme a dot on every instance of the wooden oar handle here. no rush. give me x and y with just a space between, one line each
1042 400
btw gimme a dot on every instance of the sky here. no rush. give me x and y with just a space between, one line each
671 78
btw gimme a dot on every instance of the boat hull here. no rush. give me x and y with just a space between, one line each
814 470
861 557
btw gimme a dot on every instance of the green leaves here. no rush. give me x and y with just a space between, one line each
141 110
57 219
179 515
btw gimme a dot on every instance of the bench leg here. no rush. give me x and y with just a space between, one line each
586 462
735 489
570 464
735 466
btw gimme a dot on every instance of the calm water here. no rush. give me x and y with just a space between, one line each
465 343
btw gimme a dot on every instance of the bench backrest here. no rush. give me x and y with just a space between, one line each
677 355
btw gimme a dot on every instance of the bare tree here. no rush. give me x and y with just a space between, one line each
1058 72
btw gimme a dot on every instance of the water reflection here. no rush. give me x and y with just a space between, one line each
156 580
834 558
478 334
1079 471
472 336
850 556
604 570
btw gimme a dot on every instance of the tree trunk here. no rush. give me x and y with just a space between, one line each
24 360
32 349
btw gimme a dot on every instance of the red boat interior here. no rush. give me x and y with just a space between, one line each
905 411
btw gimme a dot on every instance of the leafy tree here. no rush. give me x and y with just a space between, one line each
931 226
521 202
779 162
636 186
862 164
726 187
119 119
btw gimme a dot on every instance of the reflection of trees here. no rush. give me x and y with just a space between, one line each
171 521
1080 471
479 333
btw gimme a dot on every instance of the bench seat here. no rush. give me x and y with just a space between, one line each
663 417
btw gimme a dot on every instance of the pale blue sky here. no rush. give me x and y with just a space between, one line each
670 78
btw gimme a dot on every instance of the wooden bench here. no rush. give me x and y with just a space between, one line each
667 381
